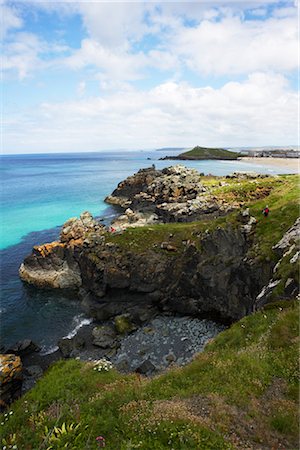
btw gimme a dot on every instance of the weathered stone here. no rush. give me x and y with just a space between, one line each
104 336
23 348
146 368
11 377
34 371
70 345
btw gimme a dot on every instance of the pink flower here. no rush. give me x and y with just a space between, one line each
101 441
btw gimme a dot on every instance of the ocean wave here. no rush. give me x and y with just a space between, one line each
80 323
48 350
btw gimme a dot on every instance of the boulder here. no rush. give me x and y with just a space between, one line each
146 368
11 377
104 336
23 348
68 346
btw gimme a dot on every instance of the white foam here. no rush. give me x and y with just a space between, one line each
48 350
81 323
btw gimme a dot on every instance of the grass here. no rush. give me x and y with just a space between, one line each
238 393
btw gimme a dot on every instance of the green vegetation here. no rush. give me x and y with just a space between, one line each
241 392
280 193
208 153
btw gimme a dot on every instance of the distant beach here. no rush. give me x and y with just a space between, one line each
287 163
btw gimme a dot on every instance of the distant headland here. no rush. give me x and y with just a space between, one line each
199 153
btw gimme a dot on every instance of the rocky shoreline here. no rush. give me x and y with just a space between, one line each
155 278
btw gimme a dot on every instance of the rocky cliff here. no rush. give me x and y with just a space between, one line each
207 268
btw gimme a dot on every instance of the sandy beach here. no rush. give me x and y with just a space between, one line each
289 163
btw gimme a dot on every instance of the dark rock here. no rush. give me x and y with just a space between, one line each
69 345
146 368
23 348
104 337
291 287
33 371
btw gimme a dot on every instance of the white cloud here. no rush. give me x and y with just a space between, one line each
262 110
230 45
233 46
10 19
24 54
116 63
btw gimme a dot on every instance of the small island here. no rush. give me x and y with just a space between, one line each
199 153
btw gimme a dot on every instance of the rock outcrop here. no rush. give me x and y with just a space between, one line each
11 377
174 194
55 265
288 250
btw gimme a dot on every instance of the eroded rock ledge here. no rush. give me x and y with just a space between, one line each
206 274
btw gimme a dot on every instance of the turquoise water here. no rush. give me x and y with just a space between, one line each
38 194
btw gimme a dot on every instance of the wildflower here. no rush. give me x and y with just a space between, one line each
101 441
102 364
11 412
2 423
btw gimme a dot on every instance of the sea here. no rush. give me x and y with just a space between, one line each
39 192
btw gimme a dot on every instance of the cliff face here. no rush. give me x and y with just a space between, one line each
209 276
202 269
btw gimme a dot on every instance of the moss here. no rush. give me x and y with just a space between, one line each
123 324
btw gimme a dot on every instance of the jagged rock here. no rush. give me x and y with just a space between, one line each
290 237
67 346
77 229
291 287
284 248
11 376
104 336
51 266
265 293
23 348
247 175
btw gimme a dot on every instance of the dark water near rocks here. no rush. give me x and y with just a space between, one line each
40 192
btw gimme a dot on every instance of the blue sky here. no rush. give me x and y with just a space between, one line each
93 76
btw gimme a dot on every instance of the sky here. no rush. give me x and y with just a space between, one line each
98 76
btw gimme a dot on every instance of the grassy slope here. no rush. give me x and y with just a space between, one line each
208 153
240 393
